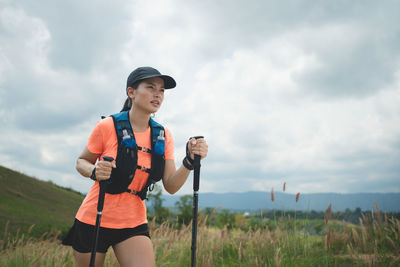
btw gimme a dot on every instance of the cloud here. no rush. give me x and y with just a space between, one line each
299 92
260 118
359 62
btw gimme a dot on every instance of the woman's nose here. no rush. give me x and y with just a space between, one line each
157 93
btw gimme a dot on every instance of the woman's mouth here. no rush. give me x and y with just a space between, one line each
155 102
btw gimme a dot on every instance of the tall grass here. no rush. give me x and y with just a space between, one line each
375 242
281 242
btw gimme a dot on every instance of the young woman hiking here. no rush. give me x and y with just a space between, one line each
123 220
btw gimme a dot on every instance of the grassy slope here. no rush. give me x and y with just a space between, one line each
25 201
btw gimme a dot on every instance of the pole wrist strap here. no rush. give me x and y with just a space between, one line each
188 154
93 175
186 162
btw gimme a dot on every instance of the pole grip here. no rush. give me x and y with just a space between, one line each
196 173
103 186
107 158
196 167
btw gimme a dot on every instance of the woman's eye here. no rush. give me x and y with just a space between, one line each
154 89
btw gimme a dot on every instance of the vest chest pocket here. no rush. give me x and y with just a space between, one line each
122 176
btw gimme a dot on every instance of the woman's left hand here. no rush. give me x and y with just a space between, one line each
198 147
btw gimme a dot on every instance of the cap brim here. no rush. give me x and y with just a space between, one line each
169 82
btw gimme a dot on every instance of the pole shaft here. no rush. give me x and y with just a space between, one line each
100 204
94 242
194 228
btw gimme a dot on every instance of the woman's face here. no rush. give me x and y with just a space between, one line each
149 95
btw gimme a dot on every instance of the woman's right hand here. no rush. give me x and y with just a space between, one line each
103 169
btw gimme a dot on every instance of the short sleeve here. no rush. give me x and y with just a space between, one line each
95 142
169 145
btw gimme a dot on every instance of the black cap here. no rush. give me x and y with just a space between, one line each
149 72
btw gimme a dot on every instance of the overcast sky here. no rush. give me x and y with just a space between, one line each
302 92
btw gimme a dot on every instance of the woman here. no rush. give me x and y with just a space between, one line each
123 221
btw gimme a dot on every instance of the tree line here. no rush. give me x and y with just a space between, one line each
181 214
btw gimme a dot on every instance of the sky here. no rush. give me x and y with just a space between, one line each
299 91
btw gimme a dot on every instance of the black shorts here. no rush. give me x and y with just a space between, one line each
81 235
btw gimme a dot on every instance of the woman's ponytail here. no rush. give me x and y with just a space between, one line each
128 101
127 104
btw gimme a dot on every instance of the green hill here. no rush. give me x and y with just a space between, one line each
26 201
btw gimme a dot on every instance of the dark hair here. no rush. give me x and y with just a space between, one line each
128 101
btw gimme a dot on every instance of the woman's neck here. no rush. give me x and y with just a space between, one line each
139 120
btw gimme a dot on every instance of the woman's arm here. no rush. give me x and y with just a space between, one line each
86 163
174 179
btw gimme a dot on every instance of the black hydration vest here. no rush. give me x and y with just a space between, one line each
122 176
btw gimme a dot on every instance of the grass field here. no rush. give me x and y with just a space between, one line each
34 215
25 201
372 243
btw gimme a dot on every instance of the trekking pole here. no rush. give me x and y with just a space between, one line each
100 204
196 185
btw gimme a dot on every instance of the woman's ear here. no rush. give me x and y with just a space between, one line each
130 92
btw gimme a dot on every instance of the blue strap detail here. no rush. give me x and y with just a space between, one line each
156 129
129 142
121 116
159 147
158 133
122 122
158 137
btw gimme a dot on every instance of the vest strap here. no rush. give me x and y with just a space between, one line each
144 149
143 169
133 192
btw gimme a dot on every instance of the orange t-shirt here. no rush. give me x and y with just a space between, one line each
120 210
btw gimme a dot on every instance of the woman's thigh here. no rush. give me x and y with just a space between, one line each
83 259
135 251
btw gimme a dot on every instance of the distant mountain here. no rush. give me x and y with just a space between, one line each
256 200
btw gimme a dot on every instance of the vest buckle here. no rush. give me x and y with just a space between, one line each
133 192
144 169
